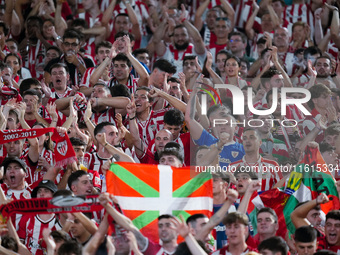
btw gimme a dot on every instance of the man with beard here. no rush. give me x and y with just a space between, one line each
180 45
323 67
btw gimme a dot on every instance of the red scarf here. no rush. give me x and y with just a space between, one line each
44 206
63 150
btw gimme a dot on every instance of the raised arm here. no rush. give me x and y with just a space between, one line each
135 30
123 221
107 15
230 13
318 31
232 195
175 102
299 215
196 128
11 18
273 16
182 228
92 246
198 22
253 186
193 32
133 128
213 75
118 154
287 82
157 38
33 151
250 23
106 62
143 74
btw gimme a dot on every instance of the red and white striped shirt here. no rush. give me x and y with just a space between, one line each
90 45
31 228
94 162
155 249
298 12
41 171
34 60
149 127
131 83
243 12
310 122
106 116
183 140
141 11
267 170
176 57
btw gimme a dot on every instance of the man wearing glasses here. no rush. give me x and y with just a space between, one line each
75 62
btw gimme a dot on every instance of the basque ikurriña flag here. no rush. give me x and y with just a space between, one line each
146 191
310 178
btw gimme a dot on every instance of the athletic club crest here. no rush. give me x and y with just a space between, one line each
62 147
234 154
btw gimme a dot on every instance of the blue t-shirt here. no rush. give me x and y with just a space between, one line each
230 153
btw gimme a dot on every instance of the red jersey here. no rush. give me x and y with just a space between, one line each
225 251
41 171
90 45
183 140
324 245
30 231
106 116
299 12
149 127
310 122
94 176
34 60
268 171
155 249
94 162
131 83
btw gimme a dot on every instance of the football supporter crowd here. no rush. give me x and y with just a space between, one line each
87 83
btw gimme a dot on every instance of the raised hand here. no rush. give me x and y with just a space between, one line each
318 13
311 71
232 195
180 226
254 186
47 91
131 107
52 110
101 138
322 199
119 120
113 51
88 112
209 62
184 13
